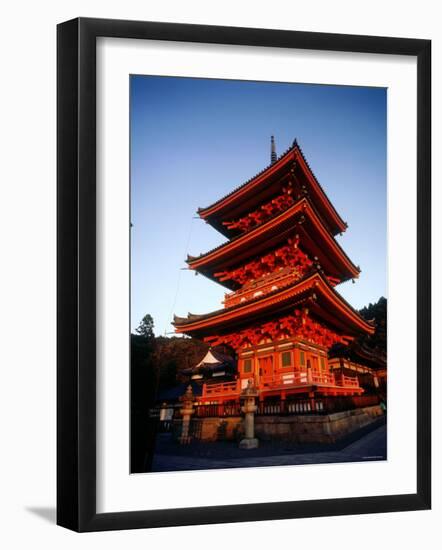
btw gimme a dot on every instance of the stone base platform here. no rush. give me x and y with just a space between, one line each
252 443
315 428
312 428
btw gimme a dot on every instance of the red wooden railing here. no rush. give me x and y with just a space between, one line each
327 379
319 405
221 389
281 381
280 279
347 381
218 410
305 378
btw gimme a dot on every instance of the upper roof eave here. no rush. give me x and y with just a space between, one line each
205 212
292 153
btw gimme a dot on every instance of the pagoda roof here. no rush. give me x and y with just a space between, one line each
314 289
262 186
315 239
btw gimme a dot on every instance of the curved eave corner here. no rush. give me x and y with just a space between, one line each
201 263
207 211
341 225
313 282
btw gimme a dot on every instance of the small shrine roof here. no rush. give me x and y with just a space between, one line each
214 361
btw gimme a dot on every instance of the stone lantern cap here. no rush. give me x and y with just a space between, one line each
250 390
188 395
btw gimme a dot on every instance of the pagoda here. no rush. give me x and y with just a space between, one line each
280 265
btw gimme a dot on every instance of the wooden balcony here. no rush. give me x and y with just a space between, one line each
324 379
264 285
346 381
282 382
223 389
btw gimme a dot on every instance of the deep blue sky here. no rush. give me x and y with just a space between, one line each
194 140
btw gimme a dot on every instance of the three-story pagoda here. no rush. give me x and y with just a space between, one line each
281 265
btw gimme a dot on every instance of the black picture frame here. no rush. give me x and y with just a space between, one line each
76 274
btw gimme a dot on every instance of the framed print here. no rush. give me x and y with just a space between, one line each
290 172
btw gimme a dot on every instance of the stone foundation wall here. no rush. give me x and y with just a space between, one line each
315 428
218 429
296 428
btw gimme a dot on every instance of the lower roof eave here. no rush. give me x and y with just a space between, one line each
314 287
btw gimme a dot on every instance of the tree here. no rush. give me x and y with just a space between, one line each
378 313
145 328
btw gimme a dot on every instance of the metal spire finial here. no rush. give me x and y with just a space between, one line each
273 156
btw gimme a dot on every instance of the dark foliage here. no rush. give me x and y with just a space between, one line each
378 313
156 364
143 385
173 355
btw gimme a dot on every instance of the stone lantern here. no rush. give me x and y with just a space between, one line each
186 412
248 396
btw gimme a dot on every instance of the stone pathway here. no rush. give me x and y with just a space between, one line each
371 446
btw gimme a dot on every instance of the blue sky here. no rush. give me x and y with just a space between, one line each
194 140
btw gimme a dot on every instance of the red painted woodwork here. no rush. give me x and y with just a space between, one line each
271 283
300 221
266 211
291 166
265 366
298 324
288 255
282 262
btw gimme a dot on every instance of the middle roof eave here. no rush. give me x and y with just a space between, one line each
271 233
